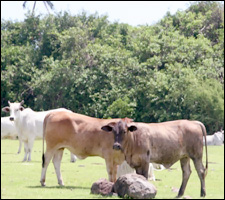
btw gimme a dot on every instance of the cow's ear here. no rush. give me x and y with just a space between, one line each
127 120
21 108
107 128
132 128
6 109
22 102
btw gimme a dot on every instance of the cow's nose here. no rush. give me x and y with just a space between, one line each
117 146
11 118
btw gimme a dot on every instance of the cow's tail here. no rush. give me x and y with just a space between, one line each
43 160
43 155
204 135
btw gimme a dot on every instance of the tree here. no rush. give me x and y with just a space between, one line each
167 71
46 3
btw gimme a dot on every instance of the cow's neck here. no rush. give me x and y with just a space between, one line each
129 142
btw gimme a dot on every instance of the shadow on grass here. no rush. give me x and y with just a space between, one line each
58 187
6 153
32 162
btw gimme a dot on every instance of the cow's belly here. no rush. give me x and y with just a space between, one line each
25 136
167 158
84 152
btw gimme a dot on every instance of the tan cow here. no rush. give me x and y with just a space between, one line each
83 136
163 143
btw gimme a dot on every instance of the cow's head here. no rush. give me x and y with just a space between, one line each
14 109
120 130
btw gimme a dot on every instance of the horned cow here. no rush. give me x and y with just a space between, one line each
83 136
163 143
29 125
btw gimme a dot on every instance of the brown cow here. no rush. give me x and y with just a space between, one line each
83 136
163 143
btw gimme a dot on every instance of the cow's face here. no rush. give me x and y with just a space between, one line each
120 131
14 109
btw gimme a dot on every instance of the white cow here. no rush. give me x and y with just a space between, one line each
215 139
124 168
29 125
7 128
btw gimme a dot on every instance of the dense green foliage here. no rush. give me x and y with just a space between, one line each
171 70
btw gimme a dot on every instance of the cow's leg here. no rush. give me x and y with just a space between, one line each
57 162
47 158
201 174
151 175
72 157
26 151
109 166
186 171
20 146
20 142
114 171
30 146
143 170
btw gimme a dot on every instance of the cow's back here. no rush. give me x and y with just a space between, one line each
168 141
31 122
81 134
215 139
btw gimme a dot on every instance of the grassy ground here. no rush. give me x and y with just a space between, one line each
21 180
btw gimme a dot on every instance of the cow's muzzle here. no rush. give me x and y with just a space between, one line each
117 146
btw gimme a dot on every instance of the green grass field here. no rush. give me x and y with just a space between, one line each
21 180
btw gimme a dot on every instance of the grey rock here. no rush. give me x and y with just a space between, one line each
103 187
134 186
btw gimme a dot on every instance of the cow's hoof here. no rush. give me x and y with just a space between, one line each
61 183
42 184
178 197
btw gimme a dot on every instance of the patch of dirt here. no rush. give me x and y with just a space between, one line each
174 189
97 163
212 163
